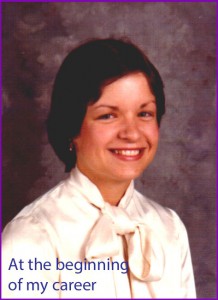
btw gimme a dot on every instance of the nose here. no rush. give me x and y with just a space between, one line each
129 131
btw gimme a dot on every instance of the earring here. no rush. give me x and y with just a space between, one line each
71 145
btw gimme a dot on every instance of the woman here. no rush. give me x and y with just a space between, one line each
94 235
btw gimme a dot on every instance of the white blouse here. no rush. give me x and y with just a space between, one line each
70 243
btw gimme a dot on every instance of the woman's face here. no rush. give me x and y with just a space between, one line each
119 134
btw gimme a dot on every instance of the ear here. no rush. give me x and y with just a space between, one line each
71 144
75 141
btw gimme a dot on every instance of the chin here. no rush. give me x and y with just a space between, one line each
129 174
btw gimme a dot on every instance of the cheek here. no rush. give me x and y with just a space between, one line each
153 134
82 139
92 137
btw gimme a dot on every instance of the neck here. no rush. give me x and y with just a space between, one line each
112 192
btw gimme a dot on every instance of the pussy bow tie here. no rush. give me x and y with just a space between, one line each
145 252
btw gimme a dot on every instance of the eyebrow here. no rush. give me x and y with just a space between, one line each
106 106
116 108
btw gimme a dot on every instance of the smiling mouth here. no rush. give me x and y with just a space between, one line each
127 152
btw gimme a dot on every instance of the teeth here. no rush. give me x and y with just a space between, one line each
127 152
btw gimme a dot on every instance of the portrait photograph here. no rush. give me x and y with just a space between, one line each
108 150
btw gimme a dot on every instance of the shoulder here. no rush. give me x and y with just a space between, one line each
160 218
45 207
24 239
31 224
47 216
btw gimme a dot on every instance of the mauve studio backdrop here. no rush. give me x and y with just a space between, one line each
179 38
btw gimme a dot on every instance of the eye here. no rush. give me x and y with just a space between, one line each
146 114
106 117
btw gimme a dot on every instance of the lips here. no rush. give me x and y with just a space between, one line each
128 154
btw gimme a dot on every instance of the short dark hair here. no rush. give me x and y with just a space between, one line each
80 80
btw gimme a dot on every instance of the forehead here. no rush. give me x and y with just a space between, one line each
130 88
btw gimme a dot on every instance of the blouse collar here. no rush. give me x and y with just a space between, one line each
91 192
